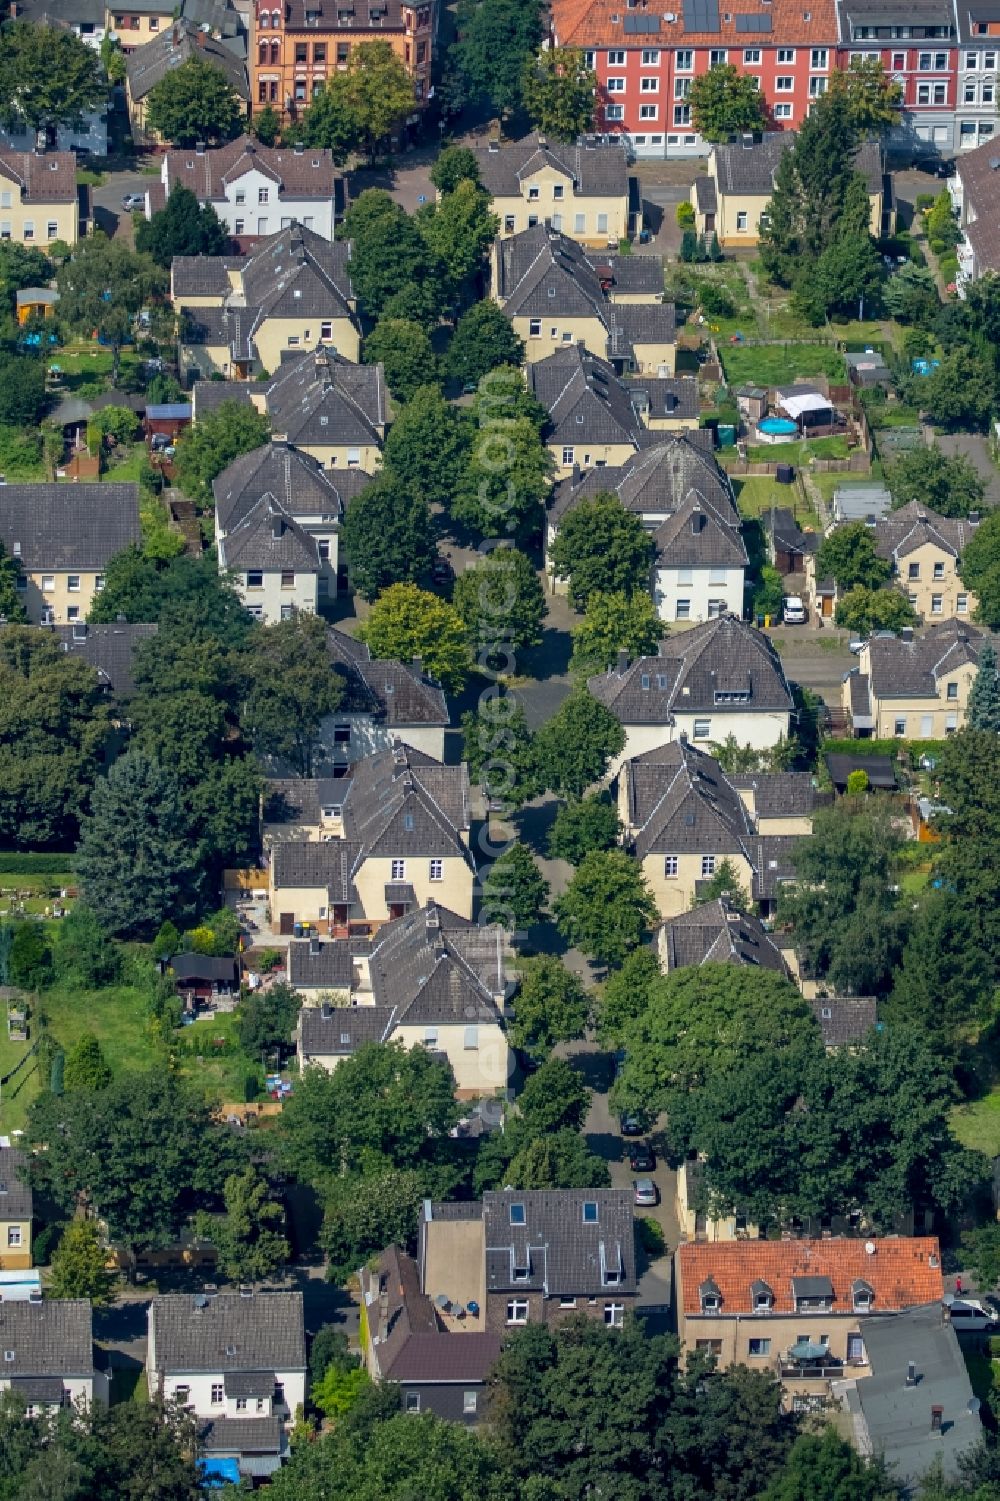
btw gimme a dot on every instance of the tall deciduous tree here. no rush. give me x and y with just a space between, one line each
407 623
550 1005
455 164
403 348
514 889
137 823
103 287
363 104
204 449
607 907
866 610
427 448
601 549
980 569
496 38
249 1238
497 745
459 231
388 536
507 482
560 93
848 555
725 102
86 1066
290 689
48 76
613 623
582 825
80 1265
11 607
484 339
559 1159
389 255
182 227
574 747
873 99
193 102
947 484
502 603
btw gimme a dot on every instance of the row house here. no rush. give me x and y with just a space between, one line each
915 687
976 110
584 189
917 45
61 539
297 44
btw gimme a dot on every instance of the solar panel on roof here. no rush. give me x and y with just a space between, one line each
701 15
642 23
753 23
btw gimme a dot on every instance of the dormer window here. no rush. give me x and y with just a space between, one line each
812 1294
520 1264
863 1295
710 1296
612 1269
762 1297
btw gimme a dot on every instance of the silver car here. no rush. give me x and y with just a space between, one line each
645 1193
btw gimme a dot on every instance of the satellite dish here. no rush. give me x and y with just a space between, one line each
974 1405
869 1248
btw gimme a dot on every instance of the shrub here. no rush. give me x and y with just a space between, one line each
651 1237
923 202
716 301
685 214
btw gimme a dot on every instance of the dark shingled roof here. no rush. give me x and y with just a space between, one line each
300 800
109 649
585 400
879 770
749 170
786 534
718 933
599 170
844 1019
665 396
203 967
51 1338
400 802
191 1333
311 864
68 526
338 1031
720 657
980 181
773 865
43 177
176 44
399 695
321 966
319 397
268 538
699 536
566 1255
656 482
300 485
15 1195
781 794
297 175
901 532
706 199
243 1435
680 802
412 1346
913 669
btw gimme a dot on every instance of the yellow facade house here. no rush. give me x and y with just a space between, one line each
430 979
732 198
925 551
584 191
62 537
16 1211
555 293
240 316
915 687
164 48
39 202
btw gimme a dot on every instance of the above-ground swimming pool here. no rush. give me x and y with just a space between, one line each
777 427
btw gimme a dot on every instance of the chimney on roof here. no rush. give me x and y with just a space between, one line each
937 1418
314 944
279 440
906 634
747 139
433 917
418 666
911 1373
199 148
176 40
298 148
326 1011
201 42
621 665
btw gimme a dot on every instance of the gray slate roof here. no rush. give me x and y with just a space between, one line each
299 484
319 397
397 694
327 865
227 1333
436 967
901 532
269 539
68 526
242 1435
596 169
566 1254
681 802
585 400
712 661
786 534
400 802
748 170
15 1195
297 174
844 1019
299 800
718 933
177 44
51 1338
665 396
340 1030
699 536
109 649
781 794
321 966
913 669
655 482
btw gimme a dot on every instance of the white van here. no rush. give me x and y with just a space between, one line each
793 611
20 1287
970 1314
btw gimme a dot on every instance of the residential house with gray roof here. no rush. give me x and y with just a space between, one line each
716 933
110 649
237 1361
245 179
584 189
911 687
431 979
925 551
401 840
440 1362
48 1354
274 562
241 315
556 293
844 1020
178 43
718 679
532 1256
62 537
592 421
16 1211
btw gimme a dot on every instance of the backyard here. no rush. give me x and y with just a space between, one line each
756 494
779 364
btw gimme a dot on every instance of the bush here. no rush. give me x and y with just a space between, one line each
45 1243
21 863
923 202
651 1237
685 214
716 301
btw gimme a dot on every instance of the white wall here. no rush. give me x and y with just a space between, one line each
695 586
199 1398
271 597
279 211
369 735
760 730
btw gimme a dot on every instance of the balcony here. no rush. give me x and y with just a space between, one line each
815 1370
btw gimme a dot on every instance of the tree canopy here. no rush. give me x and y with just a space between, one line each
572 750
866 610
182 227
947 484
614 623
502 602
601 549
725 102
103 286
484 339
193 102
848 555
980 569
48 76
407 623
361 105
212 443
559 92
607 907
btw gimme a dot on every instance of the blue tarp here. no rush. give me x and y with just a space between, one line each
215 1473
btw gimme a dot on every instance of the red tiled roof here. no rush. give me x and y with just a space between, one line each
900 1271
587 23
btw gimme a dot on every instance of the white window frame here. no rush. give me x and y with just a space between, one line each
648 111
702 729
784 84
718 57
650 57
782 111
517 1311
751 57
671 866
819 59
684 61
649 85
435 870
397 870
786 55
616 85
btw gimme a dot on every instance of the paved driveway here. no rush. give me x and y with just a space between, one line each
107 199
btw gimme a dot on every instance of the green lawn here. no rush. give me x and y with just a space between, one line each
800 451
977 1125
756 495
779 364
221 1077
44 891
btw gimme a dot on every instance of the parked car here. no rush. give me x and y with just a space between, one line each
970 1314
159 441
442 571
645 1193
793 611
641 1157
133 201
631 1124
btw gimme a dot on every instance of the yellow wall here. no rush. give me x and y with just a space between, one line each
149 28
15 1258
453 891
523 208
926 718
588 455
478 1071
651 358
590 332
334 456
669 424
273 335
60 596
674 894
48 221
731 205
922 590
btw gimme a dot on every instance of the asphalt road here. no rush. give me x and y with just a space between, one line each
107 200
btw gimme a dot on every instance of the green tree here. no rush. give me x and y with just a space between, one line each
843 910
389 254
339 1390
980 569
857 783
981 1254
582 825
559 93
850 272
514 889
266 125
508 480
86 1066
601 549
484 339
811 184
182 227
824 1467
560 1159
502 602
458 232
137 822
407 623
725 102
22 390
188 595
48 77
910 296
82 955
945 985
607 907
29 959
498 747
873 99
941 223
427 448
613 623
80 1265
211 444
103 287
704 1021
388 536
21 266
11 607
266 1020
983 712
848 555
249 1239
947 484
290 689
627 993
960 393
550 1006
193 102
497 38
554 1098
969 780
363 104
455 164
404 350
725 882
573 748
864 610
366 1212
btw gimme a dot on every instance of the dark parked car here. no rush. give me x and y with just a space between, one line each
442 571
641 1157
631 1124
